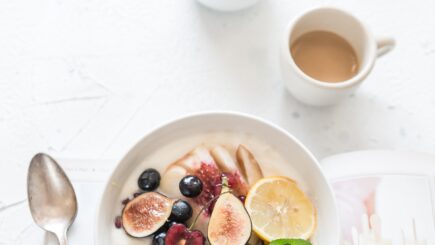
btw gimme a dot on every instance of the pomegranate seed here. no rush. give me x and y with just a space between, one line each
118 222
125 201
242 198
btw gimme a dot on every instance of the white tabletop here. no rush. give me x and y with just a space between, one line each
86 79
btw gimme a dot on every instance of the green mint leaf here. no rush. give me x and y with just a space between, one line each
290 242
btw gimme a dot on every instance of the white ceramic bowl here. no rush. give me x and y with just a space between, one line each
285 144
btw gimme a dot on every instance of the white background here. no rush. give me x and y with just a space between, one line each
88 78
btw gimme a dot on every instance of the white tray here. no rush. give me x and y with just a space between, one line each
395 189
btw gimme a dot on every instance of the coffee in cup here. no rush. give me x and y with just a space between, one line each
325 56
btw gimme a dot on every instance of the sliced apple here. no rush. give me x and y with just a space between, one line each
146 213
229 223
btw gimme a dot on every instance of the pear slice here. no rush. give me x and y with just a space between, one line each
248 165
229 223
146 213
223 159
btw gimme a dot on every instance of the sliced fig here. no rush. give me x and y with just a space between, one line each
146 213
229 223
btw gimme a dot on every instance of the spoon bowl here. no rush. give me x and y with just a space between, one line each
52 200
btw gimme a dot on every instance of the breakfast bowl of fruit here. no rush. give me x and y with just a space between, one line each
217 178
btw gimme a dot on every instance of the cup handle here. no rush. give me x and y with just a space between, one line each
384 45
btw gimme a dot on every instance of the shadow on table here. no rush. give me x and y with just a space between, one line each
242 44
354 124
50 239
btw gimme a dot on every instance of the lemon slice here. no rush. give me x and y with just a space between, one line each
279 209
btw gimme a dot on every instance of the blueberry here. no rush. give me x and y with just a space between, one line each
171 223
159 238
190 186
149 180
181 211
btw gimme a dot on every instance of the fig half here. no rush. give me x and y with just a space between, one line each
146 213
229 223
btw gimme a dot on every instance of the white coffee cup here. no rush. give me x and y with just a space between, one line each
318 93
228 5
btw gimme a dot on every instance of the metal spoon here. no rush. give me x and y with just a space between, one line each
52 200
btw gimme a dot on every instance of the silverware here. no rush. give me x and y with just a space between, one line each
51 196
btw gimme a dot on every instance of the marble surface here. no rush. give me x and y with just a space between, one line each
85 79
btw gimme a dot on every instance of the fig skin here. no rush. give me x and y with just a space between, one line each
229 222
134 215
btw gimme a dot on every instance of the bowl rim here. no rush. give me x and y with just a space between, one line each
196 115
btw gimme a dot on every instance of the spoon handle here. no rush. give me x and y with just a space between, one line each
62 238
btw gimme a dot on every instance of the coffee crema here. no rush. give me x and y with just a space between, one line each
325 56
